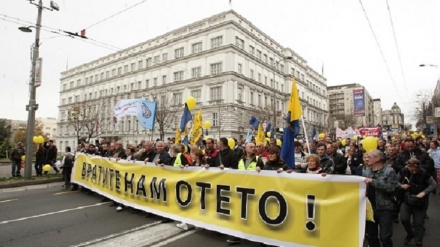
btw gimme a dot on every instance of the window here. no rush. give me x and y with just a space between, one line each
197 94
252 74
197 47
177 99
164 57
76 98
125 69
69 100
216 42
216 93
259 54
259 100
240 94
196 72
178 53
265 80
71 85
119 70
96 77
240 68
132 86
178 76
141 64
156 59
155 81
272 62
147 83
216 68
271 83
252 98
139 85
239 42
251 50
107 75
102 76
133 66
265 58
148 62
63 101
87 80
113 72
215 120
259 77
164 79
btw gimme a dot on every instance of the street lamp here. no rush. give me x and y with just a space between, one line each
33 84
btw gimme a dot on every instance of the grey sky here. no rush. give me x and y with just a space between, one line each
330 32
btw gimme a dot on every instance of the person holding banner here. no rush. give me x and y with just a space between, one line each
226 157
177 157
250 161
211 152
381 181
161 157
274 163
326 163
148 152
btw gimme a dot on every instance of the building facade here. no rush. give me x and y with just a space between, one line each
393 120
228 65
377 108
350 106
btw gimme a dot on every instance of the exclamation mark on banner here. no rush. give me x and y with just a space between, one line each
310 225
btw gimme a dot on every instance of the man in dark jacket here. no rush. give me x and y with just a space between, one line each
16 155
162 157
339 160
412 151
148 154
211 152
326 163
119 151
51 155
226 157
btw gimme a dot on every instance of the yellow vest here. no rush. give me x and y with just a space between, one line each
178 160
251 167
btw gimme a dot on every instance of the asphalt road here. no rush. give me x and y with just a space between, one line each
46 216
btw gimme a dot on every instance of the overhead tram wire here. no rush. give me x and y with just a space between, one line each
120 12
380 49
398 50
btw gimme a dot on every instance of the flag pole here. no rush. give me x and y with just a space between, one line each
305 134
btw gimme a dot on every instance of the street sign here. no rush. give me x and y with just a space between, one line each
437 112
38 67
429 120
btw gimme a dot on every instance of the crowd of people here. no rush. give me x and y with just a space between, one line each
400 174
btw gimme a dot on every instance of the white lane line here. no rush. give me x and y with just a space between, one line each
155 233
170 240
52 213
111 236
10 200
64 192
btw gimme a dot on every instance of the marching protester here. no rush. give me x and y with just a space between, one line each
162 157
66 166
210 152
326 163
226 157
148 153
178 159
40 157
417 184
51 155
339 161
381 182
274 162
435 156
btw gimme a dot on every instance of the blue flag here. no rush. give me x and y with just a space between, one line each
144 110
254 122
292 128
186 117
313 132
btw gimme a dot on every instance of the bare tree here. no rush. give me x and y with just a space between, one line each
84 116
165 115
344 121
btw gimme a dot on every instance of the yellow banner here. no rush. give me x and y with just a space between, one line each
276 208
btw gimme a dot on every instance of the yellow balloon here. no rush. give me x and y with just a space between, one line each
41 139
321 136
279 142
35 139
369 143
207 124
23 157
46 168
355 138
343 142
190 102
207 137
268 134
231 143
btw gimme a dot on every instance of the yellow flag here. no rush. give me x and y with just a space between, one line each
197 130
294 104
178 136
370 214
260 135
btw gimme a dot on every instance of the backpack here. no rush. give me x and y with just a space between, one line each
68 162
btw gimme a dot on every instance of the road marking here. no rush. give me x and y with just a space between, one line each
63 192
141 236
52 213
139 228
10 200
170 240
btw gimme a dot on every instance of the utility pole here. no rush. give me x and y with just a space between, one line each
32 106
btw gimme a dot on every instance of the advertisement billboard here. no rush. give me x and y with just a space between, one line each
359 102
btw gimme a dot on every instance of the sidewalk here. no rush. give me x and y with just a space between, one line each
5 172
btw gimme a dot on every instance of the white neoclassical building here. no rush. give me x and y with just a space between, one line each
232 68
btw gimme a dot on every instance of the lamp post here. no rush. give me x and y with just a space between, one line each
33 84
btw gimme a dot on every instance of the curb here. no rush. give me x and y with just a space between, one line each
30 182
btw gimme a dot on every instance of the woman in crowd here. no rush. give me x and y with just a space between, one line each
274 161
314 165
